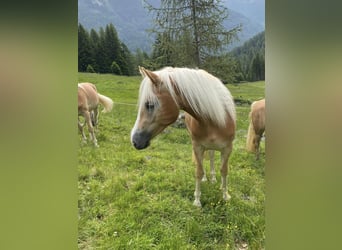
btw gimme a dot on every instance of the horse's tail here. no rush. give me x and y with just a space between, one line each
106 102
250 145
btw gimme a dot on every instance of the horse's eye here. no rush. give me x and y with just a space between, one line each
149 106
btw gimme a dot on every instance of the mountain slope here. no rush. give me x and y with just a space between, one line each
251 58
132 20
254 45
253 9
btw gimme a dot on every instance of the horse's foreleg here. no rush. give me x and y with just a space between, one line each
198 152
224 171
80 128
87 117
212 166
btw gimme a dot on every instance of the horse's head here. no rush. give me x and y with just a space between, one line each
157 109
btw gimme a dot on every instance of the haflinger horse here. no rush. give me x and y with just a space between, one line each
210 114
88 104
256 127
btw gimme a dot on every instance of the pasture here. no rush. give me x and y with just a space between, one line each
130 199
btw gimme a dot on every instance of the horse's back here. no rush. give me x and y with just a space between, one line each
87 86
260 104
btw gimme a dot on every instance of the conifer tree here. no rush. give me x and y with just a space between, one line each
192 22
103 52
111 46
84 49
96 52
101 56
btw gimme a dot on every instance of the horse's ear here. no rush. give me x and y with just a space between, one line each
142 71
153 76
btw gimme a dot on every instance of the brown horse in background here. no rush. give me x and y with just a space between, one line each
256 127
210 114
88 102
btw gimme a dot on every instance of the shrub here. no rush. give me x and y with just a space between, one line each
90 69
115 68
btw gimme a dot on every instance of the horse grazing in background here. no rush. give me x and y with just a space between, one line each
210 114
256 127
88 103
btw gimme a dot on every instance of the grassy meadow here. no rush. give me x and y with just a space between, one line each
130 199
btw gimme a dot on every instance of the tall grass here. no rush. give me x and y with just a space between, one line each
131 199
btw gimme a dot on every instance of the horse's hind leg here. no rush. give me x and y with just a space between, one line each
95 117
87 117
212 166
198 152
225 153
257 140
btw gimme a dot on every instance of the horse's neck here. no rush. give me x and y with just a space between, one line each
190 111
184 105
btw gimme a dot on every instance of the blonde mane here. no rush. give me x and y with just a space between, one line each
206 94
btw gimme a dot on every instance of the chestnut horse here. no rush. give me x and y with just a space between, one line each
88 102
210 114
256 127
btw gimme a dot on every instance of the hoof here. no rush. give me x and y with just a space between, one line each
226 196
213 180
204 179
197 203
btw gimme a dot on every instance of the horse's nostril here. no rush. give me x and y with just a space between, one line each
141 140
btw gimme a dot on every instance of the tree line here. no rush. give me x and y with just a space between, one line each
250 59
187 33
103 52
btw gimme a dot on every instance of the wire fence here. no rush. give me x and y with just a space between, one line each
123 103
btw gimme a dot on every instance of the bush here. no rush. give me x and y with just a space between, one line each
115 68
90 69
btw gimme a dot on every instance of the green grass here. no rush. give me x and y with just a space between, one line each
131 199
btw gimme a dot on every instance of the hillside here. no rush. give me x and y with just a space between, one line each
131 21
251 58
253 9
255 44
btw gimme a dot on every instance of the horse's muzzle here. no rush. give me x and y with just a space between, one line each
141 140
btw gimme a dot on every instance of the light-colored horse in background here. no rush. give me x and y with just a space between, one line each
210 114
256 128
88 104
